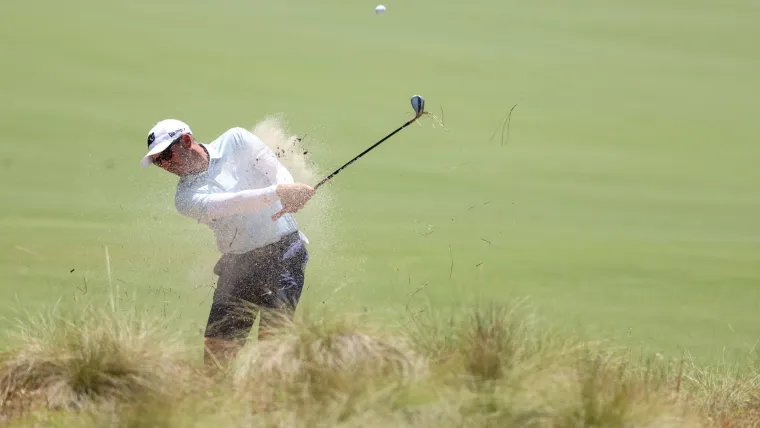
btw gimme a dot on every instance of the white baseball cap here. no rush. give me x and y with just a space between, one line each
161 136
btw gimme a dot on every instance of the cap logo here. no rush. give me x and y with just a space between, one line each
151 138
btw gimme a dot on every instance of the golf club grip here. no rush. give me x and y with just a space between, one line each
326 179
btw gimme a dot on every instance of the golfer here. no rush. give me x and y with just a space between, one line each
237 187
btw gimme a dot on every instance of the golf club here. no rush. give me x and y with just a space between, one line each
418 104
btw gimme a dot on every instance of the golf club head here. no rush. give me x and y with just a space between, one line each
418 104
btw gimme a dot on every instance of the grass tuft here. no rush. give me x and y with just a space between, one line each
335 365
89 358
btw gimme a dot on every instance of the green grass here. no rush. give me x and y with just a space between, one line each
624 203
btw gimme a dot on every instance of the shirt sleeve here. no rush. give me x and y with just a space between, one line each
206 207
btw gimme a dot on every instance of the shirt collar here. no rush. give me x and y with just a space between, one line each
213 152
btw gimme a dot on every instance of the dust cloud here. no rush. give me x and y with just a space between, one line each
316 219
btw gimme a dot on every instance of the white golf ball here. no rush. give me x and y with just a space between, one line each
380 9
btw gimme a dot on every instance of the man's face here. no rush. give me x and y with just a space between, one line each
180 158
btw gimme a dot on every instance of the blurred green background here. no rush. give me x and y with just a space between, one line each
624 203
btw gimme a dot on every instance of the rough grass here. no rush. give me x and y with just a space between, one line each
91 358
492 366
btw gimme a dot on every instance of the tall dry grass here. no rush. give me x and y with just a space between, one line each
491 366
93 357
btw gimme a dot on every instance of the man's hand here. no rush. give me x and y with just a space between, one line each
293 197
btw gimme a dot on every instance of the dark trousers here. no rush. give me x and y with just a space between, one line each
270 278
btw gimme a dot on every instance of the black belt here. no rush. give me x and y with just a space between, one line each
284 241
267 250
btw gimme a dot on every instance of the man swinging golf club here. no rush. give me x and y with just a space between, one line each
237 187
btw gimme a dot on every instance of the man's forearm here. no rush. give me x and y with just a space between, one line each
242 202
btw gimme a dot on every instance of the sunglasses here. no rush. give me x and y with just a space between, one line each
166 154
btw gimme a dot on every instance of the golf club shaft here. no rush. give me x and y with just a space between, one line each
326 179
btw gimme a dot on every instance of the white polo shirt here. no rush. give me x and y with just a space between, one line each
235 197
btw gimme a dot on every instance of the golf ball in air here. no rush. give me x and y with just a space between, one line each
380 9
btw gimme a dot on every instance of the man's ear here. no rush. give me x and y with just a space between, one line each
186 141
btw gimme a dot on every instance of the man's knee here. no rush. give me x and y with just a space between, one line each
219 351
274 320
